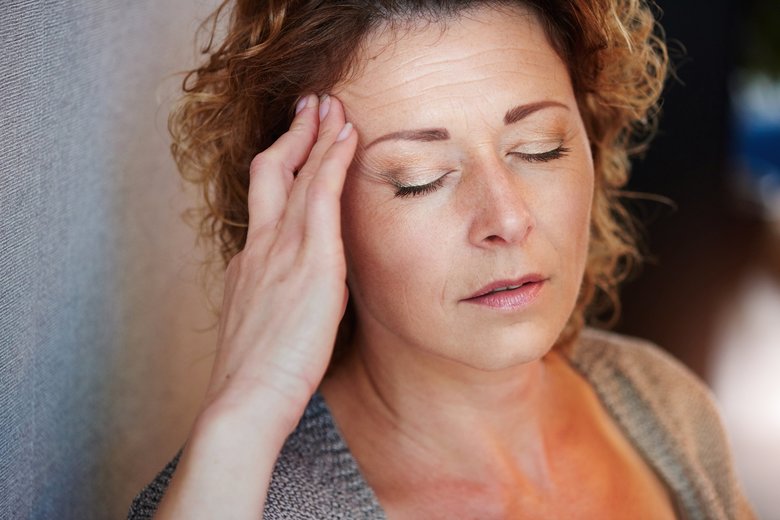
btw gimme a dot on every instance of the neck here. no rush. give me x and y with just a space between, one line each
401 403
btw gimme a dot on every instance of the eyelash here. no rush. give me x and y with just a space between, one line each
403 191
412 191
550 155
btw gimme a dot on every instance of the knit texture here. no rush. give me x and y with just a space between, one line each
664 410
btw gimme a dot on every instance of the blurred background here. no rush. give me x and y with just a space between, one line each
105 348
710 292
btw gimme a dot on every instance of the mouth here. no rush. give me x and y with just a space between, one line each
501 286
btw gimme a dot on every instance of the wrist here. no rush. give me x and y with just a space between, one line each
226 465
269 419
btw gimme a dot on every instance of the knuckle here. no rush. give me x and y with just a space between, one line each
328 132
303 129
234 265
250 254
285 247
262 162
245 266
317 192
330 160
261 234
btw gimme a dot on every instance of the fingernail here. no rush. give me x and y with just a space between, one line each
324 106
301 104
344 132
304 102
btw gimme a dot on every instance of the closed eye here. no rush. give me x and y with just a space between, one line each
411 190
549 155
407 190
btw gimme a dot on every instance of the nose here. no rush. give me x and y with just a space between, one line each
498 202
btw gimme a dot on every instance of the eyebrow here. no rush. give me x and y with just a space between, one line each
424 135
512 116
519 112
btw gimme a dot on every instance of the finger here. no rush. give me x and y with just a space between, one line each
332 120
322 233
293 220
272 171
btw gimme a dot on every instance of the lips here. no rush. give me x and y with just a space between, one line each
506 285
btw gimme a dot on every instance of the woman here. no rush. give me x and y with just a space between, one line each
458 170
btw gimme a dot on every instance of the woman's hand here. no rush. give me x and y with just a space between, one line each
285 293
284 296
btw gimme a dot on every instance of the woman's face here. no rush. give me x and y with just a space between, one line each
473 169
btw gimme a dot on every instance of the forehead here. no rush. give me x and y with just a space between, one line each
485 60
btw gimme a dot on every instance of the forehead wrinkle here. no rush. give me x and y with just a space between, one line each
483 84
470 54
402 56
488 59
496 69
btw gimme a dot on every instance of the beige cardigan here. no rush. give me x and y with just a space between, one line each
663 408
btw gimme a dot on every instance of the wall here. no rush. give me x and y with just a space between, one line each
102 364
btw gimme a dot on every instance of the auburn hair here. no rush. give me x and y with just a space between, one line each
260 56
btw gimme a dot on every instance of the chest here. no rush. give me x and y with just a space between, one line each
624 492
598 475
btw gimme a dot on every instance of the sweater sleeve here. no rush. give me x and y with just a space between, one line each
145 504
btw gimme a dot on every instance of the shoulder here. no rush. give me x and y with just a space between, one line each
640 381
615 361
668 411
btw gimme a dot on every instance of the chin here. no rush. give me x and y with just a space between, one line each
504 349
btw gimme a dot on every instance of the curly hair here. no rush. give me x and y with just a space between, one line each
240 100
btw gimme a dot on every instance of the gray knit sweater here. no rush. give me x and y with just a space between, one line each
664 410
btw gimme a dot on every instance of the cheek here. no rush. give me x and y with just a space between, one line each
578 214
562 209
573 225
387 248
